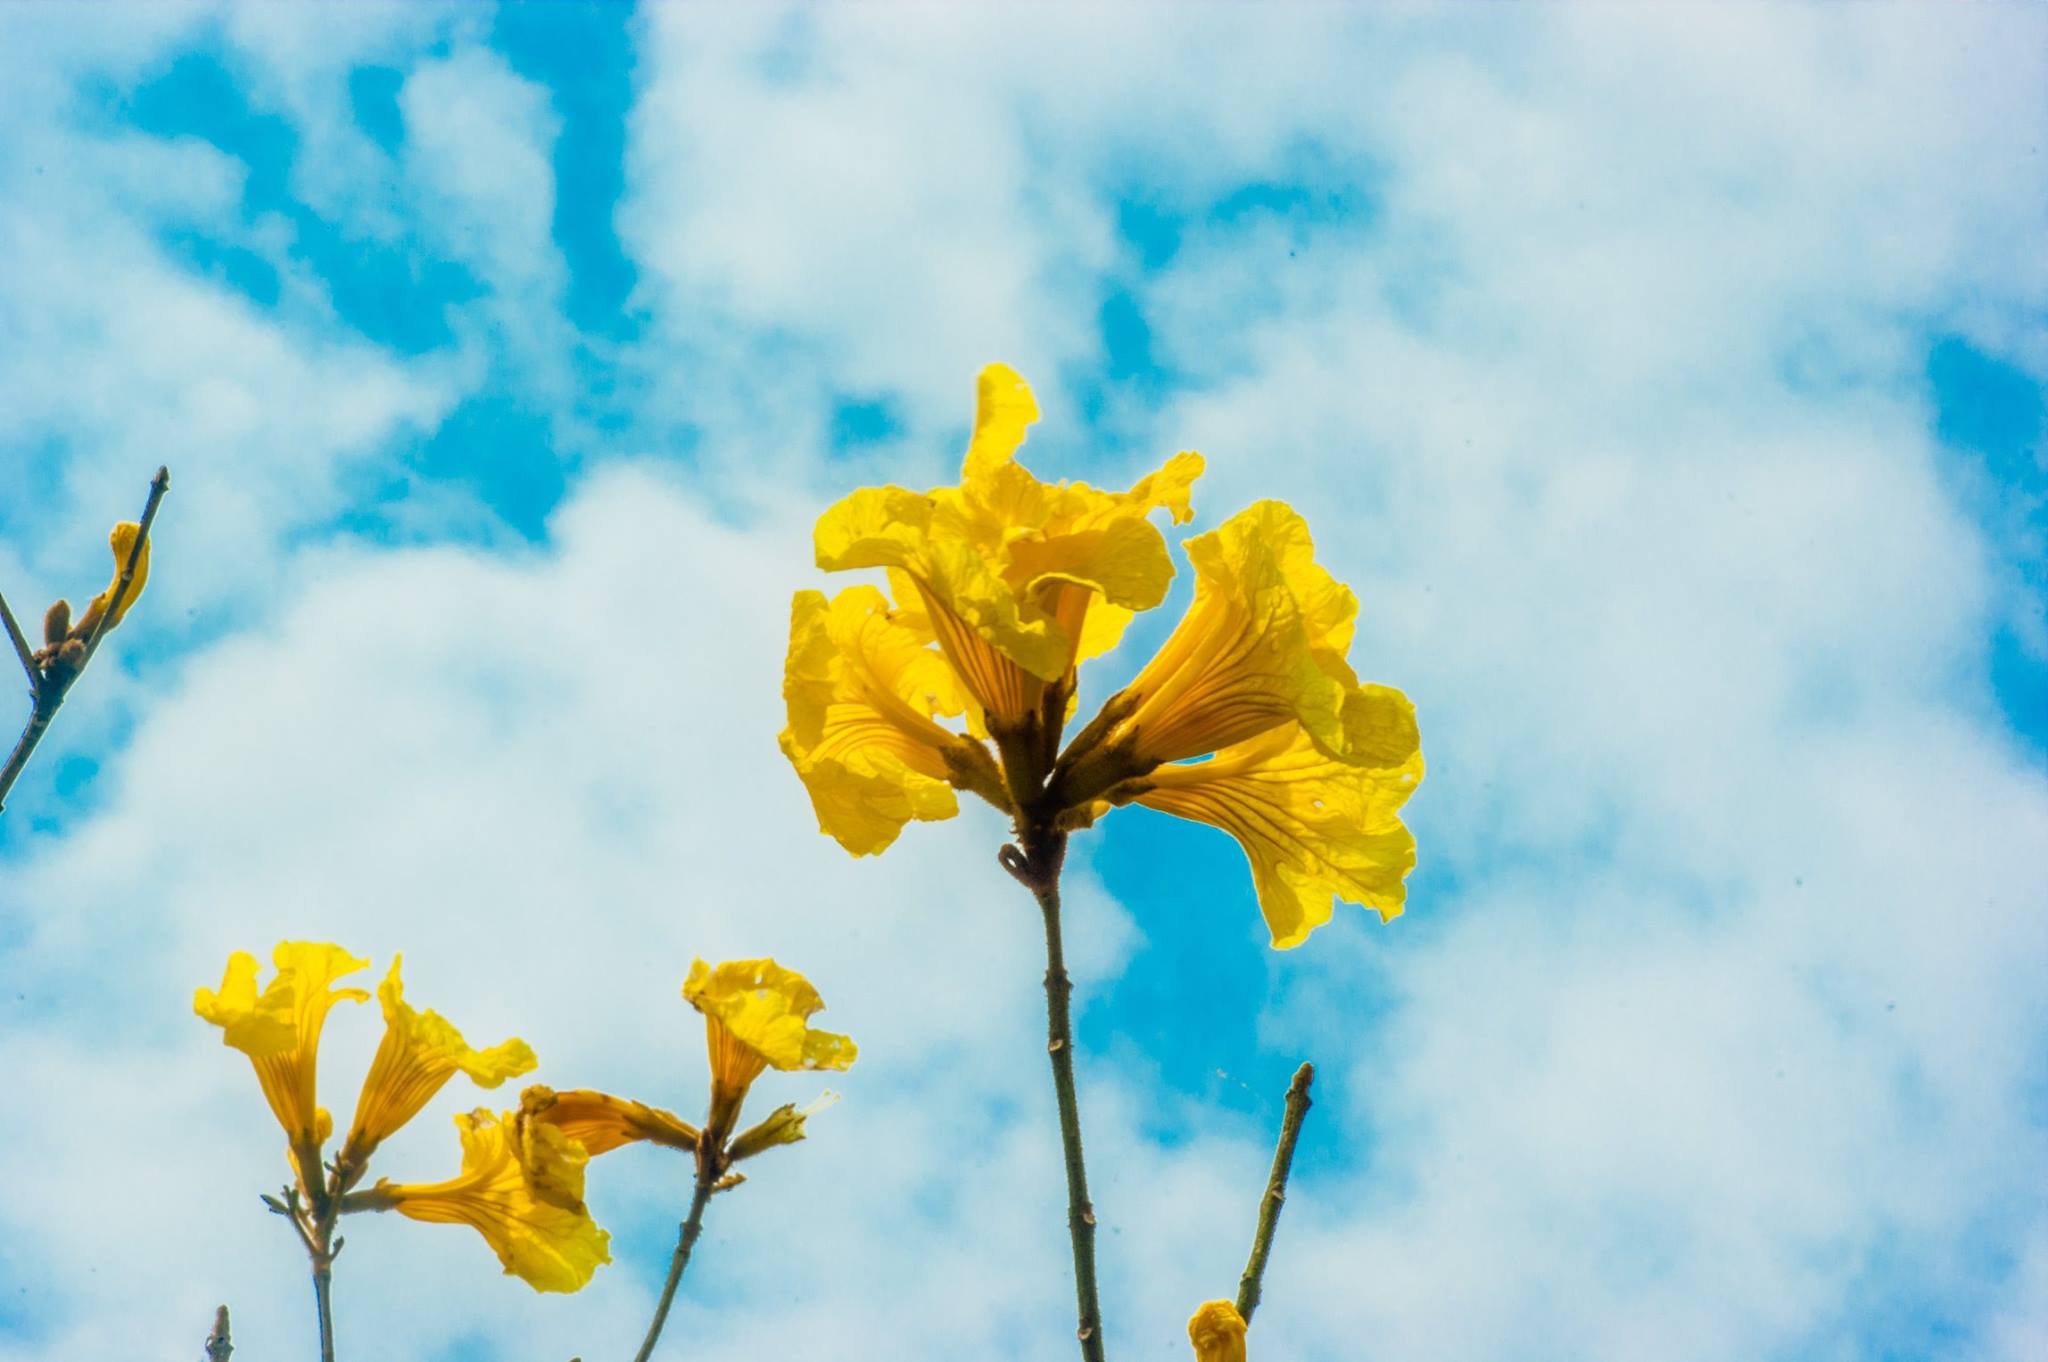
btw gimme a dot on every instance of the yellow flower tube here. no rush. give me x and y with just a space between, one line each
525 1201
419 1053
1017 579
862 689
279 1029
1314 829
755 1015
601 1122
1263 643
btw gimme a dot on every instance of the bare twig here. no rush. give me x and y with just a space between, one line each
709 1161
21 648
1037 868
1276 1191
218 1345
49 687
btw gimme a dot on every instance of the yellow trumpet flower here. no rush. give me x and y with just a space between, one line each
1005 583
755 1015
1314 829
279 1029
1017 579
521 1188
1217 1331
1262 645
601 1122
862 689
420 1052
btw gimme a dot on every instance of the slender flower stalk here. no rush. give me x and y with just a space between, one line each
1039 871
962 676
704 1184
756 1018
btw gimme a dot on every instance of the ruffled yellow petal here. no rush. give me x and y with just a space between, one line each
1262 645
992 557
420 1052
601 1122
764 1007
1004 408
755 1015
1217 1331
524 1196
1314 829
279 1027
122 540
862 687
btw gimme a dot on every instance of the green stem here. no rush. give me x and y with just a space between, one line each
686 1239
1276 1191
1038 868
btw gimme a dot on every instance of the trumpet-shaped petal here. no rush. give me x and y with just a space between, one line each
1262 645
862 687
279 1027
522 1190
122 540
1007 567
1314 829
755 1015
601 1122
1217 1331
765 1008
420 1052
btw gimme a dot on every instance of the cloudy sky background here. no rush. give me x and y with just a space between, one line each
1669 385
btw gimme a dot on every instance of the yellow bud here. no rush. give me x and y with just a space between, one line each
1217 1331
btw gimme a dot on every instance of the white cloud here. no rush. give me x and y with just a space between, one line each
478 138
120 359
1728 1016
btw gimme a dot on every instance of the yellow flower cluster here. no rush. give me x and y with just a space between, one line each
1249 718
522 1175
552 1244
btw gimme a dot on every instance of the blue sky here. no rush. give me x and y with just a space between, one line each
1669 386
